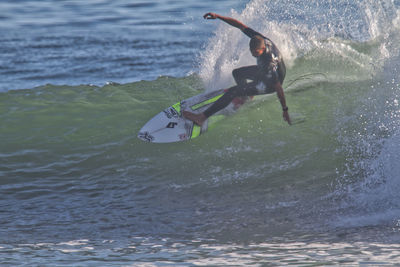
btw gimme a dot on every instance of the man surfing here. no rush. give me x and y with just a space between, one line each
266 77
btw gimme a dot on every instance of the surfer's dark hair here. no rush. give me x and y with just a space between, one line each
256 42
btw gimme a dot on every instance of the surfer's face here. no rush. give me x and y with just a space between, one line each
256 52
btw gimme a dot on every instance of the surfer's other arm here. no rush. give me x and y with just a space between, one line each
231 21
279 91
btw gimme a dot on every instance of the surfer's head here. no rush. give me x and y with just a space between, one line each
257 46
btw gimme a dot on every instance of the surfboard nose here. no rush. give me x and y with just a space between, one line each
145 136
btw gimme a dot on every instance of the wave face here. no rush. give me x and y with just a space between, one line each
72 169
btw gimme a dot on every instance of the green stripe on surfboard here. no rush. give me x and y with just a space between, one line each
196 131
177 107
206 102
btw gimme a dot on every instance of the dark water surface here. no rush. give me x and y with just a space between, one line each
94 42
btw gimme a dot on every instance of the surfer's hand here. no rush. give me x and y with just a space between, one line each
286 117
210 16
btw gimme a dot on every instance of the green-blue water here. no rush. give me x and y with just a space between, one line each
77 187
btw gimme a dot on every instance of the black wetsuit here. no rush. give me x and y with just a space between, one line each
269 70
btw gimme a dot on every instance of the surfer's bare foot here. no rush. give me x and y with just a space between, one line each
199 119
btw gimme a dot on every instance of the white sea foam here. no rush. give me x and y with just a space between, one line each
297 29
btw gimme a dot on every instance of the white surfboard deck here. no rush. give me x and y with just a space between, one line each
170 126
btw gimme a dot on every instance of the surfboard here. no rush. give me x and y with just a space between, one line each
170 126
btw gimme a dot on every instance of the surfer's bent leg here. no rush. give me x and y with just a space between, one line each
227 98
243 88
241 75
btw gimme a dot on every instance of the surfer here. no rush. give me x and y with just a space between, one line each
266 77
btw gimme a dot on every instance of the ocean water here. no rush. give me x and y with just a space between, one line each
78 188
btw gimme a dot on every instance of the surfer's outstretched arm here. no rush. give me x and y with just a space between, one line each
231 21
